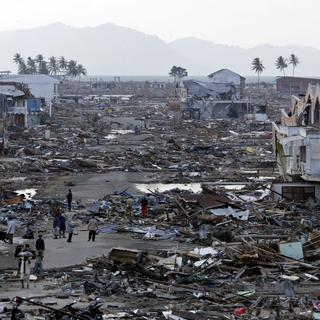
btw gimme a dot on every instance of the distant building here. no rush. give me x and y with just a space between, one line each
215 91
40 85
294 85
221 97
226 76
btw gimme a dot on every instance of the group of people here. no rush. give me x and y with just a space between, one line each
61 226
144 203
24 255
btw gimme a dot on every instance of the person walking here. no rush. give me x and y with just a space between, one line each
92 228
11 229
69 229
25 269
69 199
144 207
62 226
40 247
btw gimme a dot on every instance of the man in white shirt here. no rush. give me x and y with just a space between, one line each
11 229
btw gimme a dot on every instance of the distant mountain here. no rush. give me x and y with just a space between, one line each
106 49
109 49
211 56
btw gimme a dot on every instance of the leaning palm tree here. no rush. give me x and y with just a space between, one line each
31 65
53 65
258 67
22 67
281 64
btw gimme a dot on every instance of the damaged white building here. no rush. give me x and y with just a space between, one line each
297 145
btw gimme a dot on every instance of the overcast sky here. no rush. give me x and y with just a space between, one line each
235 22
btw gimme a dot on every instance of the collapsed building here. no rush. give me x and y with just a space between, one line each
40 86
297 146
19 107
222 97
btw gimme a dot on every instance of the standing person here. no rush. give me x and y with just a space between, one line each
62 226
25 269
144 207
128 210
56 223
18 250
69 228
69 199
40 246
92 227
11 229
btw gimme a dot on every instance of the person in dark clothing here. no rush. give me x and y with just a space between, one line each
70 229
69 199
18 250
40 247
62 226
40 243
144 207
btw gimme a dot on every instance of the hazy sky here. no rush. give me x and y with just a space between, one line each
239 22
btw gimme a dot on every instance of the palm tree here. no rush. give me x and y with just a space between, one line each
17 58
258 67
53 65
63 63
281 64
72 68
43 67
81 70
294 61
22 67
31 65
39 58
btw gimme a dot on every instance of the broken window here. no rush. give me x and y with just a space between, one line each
298 193
303 152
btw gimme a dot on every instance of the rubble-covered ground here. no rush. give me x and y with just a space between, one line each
212 244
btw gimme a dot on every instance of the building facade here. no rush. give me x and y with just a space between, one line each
296 139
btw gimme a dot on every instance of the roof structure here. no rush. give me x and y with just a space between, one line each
221 70
30 78
10 90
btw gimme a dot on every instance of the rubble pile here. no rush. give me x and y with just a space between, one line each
215 243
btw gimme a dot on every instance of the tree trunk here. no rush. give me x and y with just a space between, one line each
291 81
